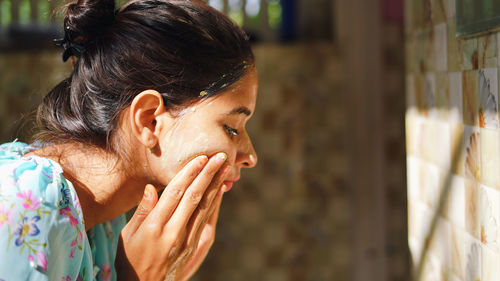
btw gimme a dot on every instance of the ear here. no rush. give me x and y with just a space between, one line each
145 109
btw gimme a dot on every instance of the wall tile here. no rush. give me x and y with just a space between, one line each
489 212
440 39
457 137
490 157
454 47
450 11
470 97
432 184
472 143
490 264
439 10
488 98
456 97
473 257
472 197
469 54
455 205
457 239
413 178
487 51
498 49
430 94
442 101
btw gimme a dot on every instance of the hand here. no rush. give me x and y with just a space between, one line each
206 240
163 235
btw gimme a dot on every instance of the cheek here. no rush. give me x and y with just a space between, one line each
179 150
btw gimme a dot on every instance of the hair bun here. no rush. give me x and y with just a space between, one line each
86 19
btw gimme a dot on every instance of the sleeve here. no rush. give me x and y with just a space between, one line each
41 234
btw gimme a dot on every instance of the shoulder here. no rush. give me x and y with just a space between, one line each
40 216
35 182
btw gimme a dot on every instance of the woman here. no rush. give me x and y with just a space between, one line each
158 99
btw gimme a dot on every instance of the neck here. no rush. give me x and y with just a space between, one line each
100 180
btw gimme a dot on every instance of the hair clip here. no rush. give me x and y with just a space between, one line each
69 49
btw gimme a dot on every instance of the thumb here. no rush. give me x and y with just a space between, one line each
148 202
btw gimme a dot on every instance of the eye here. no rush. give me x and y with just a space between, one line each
231 131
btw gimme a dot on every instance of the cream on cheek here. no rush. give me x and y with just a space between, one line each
189 137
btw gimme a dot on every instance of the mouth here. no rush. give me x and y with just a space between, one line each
229 184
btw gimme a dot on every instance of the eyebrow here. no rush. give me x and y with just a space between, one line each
240 110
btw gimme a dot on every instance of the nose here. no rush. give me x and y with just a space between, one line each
246 157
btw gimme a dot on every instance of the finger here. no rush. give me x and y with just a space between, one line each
148 202
195 192
204 239
174 191
204 209
215 214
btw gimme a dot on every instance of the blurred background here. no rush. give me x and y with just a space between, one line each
328 198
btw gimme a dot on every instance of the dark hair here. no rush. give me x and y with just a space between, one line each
184 49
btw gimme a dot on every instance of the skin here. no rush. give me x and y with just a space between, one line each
167 149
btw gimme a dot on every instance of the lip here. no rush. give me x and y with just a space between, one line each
229 183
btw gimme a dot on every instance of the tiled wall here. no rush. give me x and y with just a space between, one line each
452 97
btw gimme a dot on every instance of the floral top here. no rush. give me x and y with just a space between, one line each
42 232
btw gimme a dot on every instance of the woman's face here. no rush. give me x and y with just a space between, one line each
215 124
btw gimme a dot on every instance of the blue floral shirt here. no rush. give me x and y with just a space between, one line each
42 232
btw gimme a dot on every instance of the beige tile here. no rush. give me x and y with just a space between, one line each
439 11
413 166
490 264
454 47
489 212
457 136
450 10
413 127
442 153
498 49
457 239
490 158
430 95
456 97
455 204
411 101
441 246
468 48
488 98
470 97
487 51
472 146
433 270
443 97
429 53
440 46
472 198
473 256
432 185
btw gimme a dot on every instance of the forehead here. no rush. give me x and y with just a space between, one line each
241 93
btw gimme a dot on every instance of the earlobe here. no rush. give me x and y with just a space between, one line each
144 111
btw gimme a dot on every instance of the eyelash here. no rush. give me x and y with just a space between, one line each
232 132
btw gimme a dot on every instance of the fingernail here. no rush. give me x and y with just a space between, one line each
202 159
222 189
147 193
222 156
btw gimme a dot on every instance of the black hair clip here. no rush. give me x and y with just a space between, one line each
69 49
70 42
